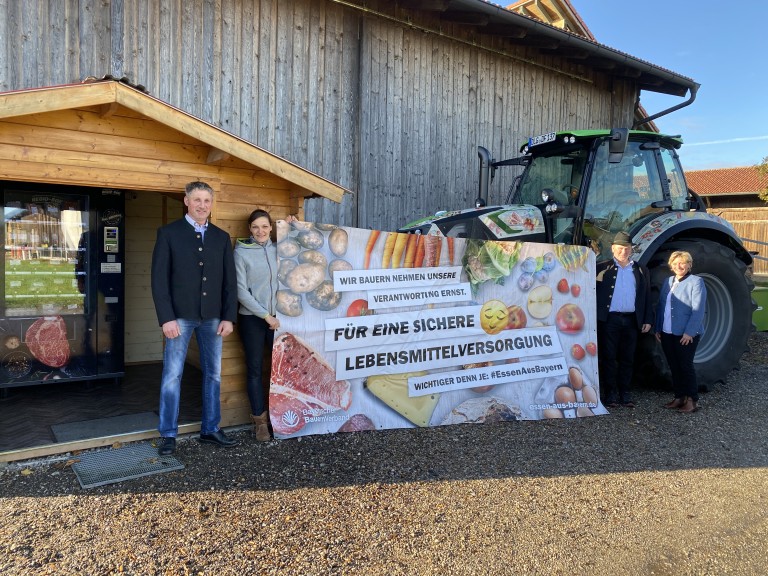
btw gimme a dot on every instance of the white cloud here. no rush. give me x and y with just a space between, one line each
728 141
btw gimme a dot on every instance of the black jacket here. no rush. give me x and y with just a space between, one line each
606 282
192 279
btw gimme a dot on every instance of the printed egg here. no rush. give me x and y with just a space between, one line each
589 395
565 394
575 378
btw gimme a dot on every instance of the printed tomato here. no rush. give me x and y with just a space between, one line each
359 308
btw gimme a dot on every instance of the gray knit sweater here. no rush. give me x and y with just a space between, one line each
256 267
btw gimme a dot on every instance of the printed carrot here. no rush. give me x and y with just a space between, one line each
451 252
389 246
397 253
431 247
419 260
369 247
410 250
438 251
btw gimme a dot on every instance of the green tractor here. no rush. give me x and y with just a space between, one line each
581 187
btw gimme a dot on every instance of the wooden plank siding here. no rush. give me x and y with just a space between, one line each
751 224
125 150
382 107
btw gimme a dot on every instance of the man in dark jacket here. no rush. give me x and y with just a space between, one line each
623 311
194 288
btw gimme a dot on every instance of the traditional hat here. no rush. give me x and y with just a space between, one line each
622 239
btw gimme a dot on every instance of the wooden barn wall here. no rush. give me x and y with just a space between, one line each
427 103
388 111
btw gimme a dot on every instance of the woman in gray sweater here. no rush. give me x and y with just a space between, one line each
256 266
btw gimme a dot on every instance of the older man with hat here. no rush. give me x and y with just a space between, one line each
623 311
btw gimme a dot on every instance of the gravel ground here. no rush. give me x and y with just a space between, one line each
643 491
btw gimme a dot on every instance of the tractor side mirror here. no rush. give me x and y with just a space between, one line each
617 144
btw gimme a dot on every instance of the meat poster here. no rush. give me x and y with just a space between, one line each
384 330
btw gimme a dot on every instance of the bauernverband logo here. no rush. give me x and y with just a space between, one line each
290 418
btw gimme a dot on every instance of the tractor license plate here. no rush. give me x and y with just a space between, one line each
541 139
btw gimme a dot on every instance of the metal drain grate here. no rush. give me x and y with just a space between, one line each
115 465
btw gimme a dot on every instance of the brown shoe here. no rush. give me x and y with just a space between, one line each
261 427
676 403
690 406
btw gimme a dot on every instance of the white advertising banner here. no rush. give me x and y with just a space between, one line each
384 330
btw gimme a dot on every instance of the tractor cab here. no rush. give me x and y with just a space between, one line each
592 184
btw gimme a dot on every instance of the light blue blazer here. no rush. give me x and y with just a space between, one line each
688 305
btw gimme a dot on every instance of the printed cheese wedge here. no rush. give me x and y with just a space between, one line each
392 389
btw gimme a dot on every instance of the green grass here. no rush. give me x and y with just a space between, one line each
36 283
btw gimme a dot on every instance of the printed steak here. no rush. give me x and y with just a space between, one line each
46 339
302 383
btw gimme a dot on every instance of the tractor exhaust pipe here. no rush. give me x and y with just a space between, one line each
485 177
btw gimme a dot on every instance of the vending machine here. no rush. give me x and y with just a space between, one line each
62 311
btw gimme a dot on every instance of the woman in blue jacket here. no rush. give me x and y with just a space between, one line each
679 326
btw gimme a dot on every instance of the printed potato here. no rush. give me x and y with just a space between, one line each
338 265
338 241
289 303
324 297
325 227
305 278
284 268
313 257
288 248
301 225
282 229
310 239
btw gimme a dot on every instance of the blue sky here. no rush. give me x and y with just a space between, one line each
720 47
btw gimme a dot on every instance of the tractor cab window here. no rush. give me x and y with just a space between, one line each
620 194
678 190
561 172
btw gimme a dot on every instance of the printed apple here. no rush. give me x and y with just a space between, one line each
569 319
562 286
575 290
517 317
591 348
577 351
540 302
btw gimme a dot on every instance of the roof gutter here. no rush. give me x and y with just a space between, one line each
693 90
577 41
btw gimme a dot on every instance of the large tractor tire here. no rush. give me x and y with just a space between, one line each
728 318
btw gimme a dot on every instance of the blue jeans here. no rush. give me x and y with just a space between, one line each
174 355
